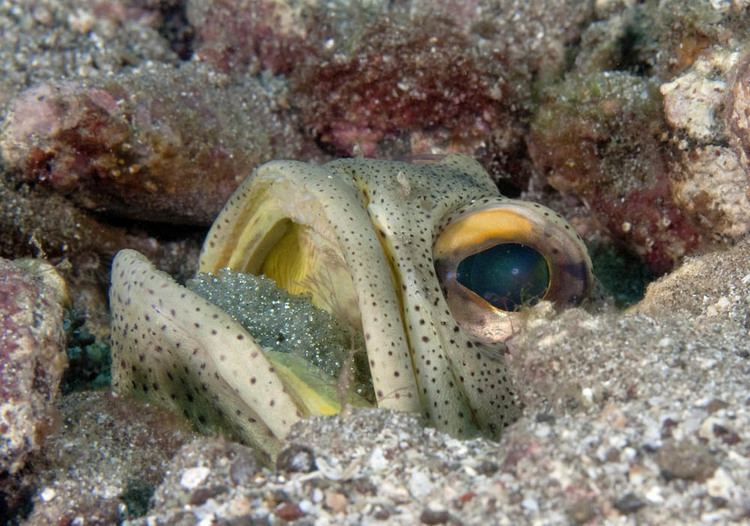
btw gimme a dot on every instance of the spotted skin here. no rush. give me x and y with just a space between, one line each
375 224
172 346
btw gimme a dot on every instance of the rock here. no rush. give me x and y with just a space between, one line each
32 362
709 179
693 101
296 458
32 357
581 511
105 460
379 82
738 120
684 460
434 515
35 223
241 36
629 503
159 143
713 189
601 137
391 80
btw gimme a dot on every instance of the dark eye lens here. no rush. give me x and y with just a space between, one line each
507 276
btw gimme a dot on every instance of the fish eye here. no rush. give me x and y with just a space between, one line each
495 258
508 275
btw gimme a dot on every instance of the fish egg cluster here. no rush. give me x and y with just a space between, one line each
278 320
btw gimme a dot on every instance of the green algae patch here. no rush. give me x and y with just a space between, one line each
89 359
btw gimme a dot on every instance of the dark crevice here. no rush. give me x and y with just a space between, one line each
176 29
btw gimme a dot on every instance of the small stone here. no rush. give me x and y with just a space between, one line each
543 417
581 511
378 462
381 513
433 514
193 477
715 405
725 434
420 484
296 459
667 425
630 503
47 494
684 460
289 511
201 495
487 468
336 502
243 469
721 485
32 356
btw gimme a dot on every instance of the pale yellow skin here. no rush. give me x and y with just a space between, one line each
358 236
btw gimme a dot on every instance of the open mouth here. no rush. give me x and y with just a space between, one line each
324 352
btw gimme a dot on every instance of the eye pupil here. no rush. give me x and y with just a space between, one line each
508 275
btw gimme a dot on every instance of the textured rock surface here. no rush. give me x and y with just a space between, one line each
633 417
160 143
32 361
104 460
602 137
32 356
705 108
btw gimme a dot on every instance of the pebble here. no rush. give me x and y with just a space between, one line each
685 460
629 503
47 494
420 484
193 477
289 511
296 459
336 501
378 462
530 504
434 514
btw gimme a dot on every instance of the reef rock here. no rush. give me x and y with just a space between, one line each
705 107
32 356
160 143
603 138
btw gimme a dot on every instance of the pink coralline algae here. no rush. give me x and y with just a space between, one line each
393 79
32 357
160 144
400 84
